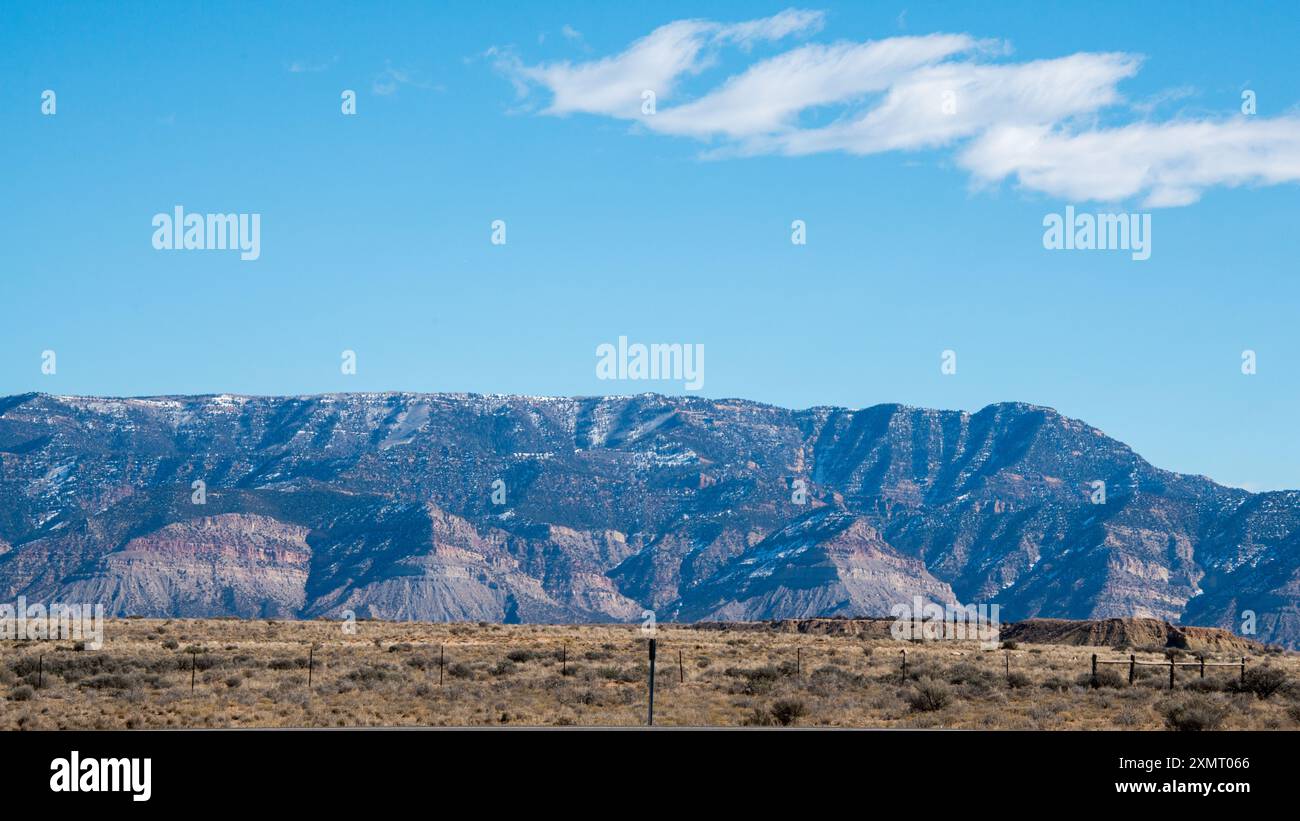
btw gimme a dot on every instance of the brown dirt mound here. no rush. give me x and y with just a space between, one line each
1130 632
1086 632
872 628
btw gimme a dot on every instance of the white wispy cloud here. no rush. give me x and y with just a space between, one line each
936 105
392 77
1167 164
1035 123
766 98
613 85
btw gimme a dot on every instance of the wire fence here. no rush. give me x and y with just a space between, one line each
1133 664
198 659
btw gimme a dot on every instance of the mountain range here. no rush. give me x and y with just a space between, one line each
536 509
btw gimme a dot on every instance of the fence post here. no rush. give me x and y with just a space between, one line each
1007 657
681 669
564 660
798 661
1202 666
1171 674
40 671
1132 667
650 718
194 663
1243 669
1094 669
442 649
904 664
311 659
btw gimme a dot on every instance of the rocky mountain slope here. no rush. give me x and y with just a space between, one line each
503 508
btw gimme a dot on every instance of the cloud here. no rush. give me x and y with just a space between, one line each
776 27
1148 106
766 97
1168 164
1034 123
936 105
613 85
391 78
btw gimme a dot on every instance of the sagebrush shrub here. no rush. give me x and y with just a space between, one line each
928 695
1105 677
1017 679
787 711
1263 681
1194 712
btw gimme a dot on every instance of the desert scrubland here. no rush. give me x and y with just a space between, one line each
241 673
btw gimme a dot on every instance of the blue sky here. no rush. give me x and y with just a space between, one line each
375 228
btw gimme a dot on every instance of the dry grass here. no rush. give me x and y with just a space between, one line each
254 674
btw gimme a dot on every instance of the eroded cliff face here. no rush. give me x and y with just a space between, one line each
829 563
231 564
383 504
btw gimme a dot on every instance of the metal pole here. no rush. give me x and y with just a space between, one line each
1171 674
441 651
1132 667
1202 666
650 718
311 658
40 674
1094 669
194 663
